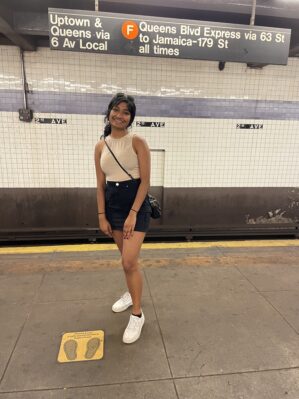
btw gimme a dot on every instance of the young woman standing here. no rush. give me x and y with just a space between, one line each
123 205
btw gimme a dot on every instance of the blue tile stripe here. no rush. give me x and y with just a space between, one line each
152 106
11 100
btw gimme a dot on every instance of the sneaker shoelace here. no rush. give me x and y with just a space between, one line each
126 297
133 323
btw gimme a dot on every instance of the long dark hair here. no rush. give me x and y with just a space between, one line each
117 99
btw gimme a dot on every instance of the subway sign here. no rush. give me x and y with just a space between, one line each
106 33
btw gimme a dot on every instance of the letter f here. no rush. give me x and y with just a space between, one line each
130 29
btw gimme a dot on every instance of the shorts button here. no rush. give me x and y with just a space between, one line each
117 184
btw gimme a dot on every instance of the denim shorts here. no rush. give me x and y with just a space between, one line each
119 198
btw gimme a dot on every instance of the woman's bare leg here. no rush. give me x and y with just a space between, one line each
130 253
118 239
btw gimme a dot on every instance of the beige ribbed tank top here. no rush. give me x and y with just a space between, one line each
127 157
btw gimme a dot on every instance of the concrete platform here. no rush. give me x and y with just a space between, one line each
220 323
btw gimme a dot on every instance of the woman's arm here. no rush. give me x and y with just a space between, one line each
144 159
143 154
101 183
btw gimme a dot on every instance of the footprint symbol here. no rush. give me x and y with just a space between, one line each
70 349
92 346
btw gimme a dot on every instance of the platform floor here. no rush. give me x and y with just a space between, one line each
222 322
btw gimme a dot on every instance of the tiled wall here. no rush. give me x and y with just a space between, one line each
200 106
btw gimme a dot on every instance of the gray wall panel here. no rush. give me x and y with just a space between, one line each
183 208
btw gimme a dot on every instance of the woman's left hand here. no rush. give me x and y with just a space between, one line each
129 225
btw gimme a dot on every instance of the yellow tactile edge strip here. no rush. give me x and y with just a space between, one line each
171 245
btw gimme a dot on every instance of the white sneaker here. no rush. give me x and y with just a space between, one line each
123 303
133 330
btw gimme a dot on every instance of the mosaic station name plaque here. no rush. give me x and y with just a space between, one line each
105 33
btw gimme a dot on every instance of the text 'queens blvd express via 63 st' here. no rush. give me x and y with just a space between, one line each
74 30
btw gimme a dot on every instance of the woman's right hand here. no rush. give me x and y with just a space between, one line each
105 226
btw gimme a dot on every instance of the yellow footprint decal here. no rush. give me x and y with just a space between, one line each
70 349
81 346
91 348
